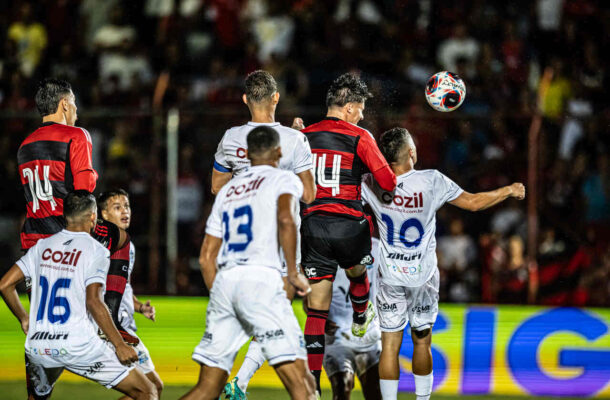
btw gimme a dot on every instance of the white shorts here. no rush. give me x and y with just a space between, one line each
249 301
101 365
340 358
144 364
398 305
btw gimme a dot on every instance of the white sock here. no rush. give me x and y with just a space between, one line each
253 361
389 389
423 386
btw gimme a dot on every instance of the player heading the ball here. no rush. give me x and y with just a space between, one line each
240 262
409 283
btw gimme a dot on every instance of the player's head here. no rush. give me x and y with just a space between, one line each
114 207
261 90
55 96
264 146
346 96
398 147
80 210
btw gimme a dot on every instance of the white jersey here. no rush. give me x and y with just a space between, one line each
341 310
126 309
231 153
407 224
61 267
245 216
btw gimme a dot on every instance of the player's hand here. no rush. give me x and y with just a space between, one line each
517 190
126 354
298 124
25 325
300 283
330 328
148 311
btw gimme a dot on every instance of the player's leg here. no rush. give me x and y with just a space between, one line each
147 367
393 317
339 364
296 379
423 309
209 386
40 381
320 267
369 381
352 248
137 386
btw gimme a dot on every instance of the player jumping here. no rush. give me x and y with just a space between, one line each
409 283
115 208
253 216
68 273
335 230
262 97
347 355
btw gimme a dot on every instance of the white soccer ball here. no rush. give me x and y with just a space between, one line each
445 91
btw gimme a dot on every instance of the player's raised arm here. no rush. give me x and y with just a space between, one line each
483 200
81 162
219 179
376 163
8 285
288 240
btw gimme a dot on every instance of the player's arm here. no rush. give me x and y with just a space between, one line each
146 309
482 200
101 316
219 179
370 154
207 258
8 289
221 173
309 186
288 240
81 165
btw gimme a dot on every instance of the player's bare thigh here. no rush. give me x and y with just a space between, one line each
210 384
342 384
369 380
297 379
137 386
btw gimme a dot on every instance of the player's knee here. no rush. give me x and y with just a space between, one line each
422 334
159 386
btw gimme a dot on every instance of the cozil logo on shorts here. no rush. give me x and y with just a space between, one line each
48 352
421 309
410 270
207 336
94 368
270 335
385 307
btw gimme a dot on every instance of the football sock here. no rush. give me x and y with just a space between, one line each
314 340
423 386
253 361
359 287
389 389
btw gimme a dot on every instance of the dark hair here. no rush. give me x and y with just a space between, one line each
392 142
260 86
49 94
102 199
262 139
348 88
78 202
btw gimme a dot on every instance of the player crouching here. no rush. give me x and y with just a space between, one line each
240 264
115 207
409 283
68 272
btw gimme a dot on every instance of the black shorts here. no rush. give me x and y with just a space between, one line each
331 240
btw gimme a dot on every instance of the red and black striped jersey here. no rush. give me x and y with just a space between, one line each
53 160
342 153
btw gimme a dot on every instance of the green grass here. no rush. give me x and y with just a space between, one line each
10 390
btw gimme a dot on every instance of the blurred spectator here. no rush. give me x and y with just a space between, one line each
596 191
457 250
95 14
30 37
510 273
458 46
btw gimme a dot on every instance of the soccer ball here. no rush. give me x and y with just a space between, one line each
445 91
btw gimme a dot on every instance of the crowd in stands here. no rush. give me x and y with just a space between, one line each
113 53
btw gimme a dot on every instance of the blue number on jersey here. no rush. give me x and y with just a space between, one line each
244 228
54 301
410 223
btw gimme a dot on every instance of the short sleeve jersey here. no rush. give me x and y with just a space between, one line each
407 224
244 215
61 267
231 153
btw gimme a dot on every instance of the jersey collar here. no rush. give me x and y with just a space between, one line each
48 123
263 123
406 174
